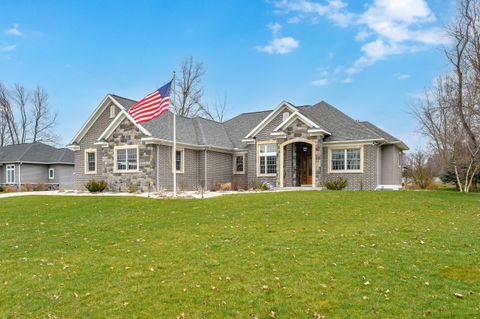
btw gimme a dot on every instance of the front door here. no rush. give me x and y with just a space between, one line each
305 169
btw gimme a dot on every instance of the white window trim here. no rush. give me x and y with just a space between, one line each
51 176
345 171
182 159
258 158
113 108
235 164
123 147
85 163
10 167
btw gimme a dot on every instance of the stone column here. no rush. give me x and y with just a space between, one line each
318 161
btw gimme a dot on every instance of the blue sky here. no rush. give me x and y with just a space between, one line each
371 59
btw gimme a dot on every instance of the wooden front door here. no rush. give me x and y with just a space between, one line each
305 169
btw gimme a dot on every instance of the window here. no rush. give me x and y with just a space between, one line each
238 164
179 161
126 159
51 173
267 159
346 159
112 111
10 174
91 161
285 116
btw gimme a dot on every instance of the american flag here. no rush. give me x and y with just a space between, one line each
151 106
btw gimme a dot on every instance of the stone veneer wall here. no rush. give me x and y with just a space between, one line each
298 129
143 180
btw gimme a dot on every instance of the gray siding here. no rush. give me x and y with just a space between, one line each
390 165
86 142
31 174
63 176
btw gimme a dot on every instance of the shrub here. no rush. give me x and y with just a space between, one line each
261 186
10 189
1 189
41 187
27 187
225 186
94 186
420 169
336 184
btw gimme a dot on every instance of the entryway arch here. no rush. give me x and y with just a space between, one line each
282 155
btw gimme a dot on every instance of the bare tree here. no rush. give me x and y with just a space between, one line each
43 120
7 114
3 130
21 97
450 115
218 111
420 169
189 90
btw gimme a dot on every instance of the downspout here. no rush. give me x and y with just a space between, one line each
158 167
205 182
20 177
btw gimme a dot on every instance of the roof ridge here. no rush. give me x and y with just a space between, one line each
28 148
122 97
199 128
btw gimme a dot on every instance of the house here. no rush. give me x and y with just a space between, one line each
36 163
288 146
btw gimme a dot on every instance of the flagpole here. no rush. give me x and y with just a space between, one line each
174 153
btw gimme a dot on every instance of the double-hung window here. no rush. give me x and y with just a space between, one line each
239 164
10 174
126 159
179 160
345 160
91 161
267 159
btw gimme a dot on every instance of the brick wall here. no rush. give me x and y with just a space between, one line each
80 178
355 180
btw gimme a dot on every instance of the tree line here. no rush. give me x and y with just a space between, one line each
449 111
26 116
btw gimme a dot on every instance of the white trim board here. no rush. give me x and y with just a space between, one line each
270 117
96 114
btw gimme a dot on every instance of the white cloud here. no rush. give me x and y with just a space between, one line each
403 77
386 27
362 35
294 20
274 27
280 46
332 9
8 48
14 31
320 82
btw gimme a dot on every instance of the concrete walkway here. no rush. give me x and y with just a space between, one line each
162 195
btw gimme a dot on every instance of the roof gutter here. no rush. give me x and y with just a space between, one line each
154 140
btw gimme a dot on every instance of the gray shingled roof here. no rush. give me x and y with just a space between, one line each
380 132
341 126
229 134
126 103
35 153
238 127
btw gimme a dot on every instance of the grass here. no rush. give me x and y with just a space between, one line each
282 255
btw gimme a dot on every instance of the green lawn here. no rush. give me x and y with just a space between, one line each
283 255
